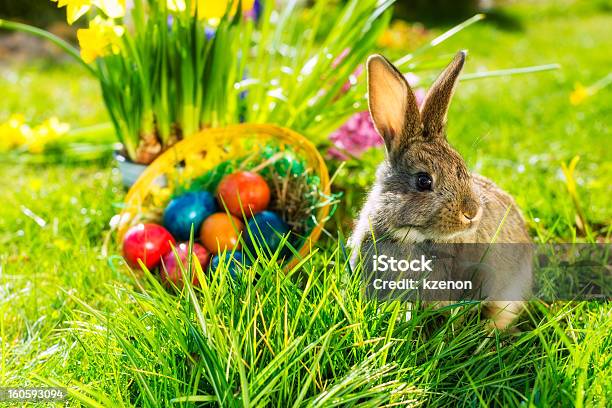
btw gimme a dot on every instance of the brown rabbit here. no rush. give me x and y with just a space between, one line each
424 192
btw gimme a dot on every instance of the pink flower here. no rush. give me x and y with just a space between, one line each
354 137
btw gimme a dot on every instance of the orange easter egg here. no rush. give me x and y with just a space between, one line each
244 190
220 232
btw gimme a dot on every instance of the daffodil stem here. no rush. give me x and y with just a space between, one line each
102 132
69 49
508 72
602 83
440 39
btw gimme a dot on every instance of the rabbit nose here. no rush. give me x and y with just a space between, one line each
471 211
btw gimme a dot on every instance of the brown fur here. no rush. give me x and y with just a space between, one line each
461 208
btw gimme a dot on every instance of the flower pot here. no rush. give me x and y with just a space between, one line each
129 170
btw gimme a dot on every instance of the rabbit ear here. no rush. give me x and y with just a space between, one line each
437 101
392 104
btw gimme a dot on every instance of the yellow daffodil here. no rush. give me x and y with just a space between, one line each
176 5
54 126
214 9
579 94
209 9
45 133
35 184
112 8
13 133
36 146
100 39
74 8
62 244
77 8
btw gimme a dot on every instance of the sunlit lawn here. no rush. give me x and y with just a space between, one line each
515 130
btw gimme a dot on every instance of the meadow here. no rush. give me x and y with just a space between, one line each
72 315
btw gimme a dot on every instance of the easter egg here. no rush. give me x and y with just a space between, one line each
234 261
147 242
244 190
220 232
171 270
187 210
266 229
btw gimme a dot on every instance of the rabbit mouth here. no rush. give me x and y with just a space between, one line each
458 232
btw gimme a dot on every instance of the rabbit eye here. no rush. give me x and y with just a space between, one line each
423 182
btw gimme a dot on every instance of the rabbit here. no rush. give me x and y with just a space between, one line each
423 191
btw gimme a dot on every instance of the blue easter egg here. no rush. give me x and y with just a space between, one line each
232 260
266 229
189 209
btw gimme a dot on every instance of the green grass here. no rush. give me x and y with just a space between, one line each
70 315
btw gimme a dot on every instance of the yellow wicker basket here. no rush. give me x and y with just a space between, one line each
210 147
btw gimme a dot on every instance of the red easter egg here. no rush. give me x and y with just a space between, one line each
170 269
220 232
147 242
246 188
